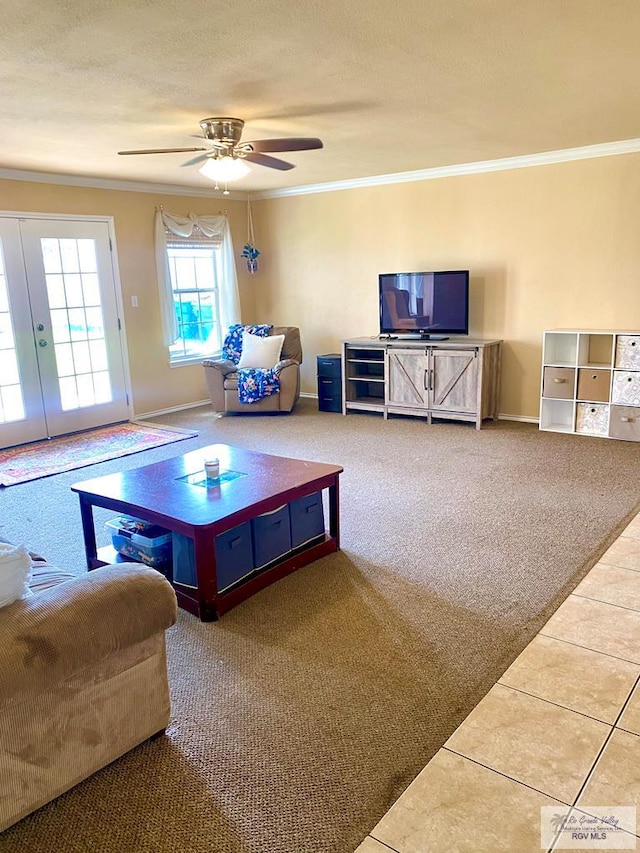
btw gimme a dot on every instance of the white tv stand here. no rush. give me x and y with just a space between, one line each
456 379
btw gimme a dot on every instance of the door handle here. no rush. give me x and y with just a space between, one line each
42 342
425 382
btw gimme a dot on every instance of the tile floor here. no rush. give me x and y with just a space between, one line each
561 728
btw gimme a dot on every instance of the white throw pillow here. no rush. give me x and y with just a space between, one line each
260 352
15 572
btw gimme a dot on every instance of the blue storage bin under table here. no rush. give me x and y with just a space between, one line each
271 533
307 519
141 540
234 557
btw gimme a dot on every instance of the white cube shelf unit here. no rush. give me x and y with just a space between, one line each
591 383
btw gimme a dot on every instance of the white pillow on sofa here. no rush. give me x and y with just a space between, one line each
15 573
260 352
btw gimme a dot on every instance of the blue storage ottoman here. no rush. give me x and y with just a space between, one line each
271 536
307 519
234 557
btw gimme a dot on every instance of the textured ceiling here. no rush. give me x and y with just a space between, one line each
388 86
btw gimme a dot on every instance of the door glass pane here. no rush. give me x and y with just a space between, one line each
60 325
91 289
73 288
102 385
77 321
98 355
64 359
68 393
11 398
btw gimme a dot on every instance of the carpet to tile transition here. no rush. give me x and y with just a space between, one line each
55 455
301 715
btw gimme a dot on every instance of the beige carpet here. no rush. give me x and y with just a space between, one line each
301 715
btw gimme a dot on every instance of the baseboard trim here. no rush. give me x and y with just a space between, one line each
156 414
310 396
519 418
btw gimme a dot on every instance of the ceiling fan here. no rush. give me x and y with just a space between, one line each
224 148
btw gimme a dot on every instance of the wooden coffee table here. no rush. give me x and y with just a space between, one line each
166 493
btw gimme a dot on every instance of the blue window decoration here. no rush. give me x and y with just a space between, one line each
250 253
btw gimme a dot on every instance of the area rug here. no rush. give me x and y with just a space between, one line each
55 455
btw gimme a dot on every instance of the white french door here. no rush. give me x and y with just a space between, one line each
61 358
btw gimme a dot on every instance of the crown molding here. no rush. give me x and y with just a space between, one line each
587 152
112 184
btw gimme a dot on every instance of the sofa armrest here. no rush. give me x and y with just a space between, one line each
223 365
288 372
48 637
214 374
286 362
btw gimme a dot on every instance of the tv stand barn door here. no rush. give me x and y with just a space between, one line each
456 380
408 379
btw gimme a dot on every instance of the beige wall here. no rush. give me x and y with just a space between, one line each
547 246
155 385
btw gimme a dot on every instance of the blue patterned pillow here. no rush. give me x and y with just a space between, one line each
232 346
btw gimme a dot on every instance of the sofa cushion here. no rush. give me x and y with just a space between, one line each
260 352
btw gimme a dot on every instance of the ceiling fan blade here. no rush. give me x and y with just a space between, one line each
293 144
214 143
162 150
199 159
270 162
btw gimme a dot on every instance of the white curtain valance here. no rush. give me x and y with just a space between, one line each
207 230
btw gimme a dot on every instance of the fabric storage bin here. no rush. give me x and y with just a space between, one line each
184 564
592 419
624 422
234 557
307 519
558 382
271 533
142 541
626 388
594 384
628 351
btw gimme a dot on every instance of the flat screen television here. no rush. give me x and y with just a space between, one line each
424 304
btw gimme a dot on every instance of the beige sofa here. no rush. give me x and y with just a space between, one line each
222 379
83 678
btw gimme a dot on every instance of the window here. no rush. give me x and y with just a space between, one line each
197 284
195 273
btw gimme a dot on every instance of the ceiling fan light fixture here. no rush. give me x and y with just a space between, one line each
224 169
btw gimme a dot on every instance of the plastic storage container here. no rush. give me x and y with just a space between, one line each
142 541
307 519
